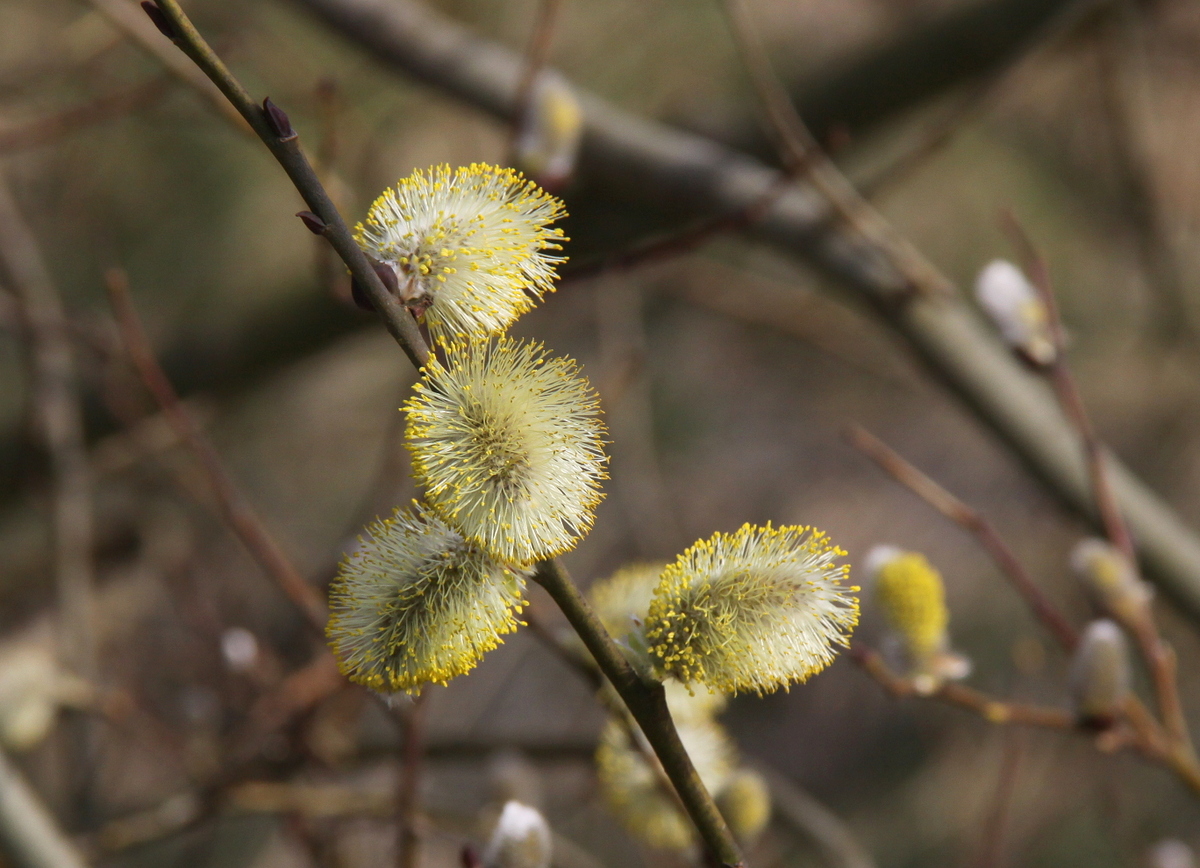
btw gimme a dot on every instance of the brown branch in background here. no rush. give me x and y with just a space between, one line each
1159 656
234 508
99 110
961 696
992 848
1068 393
971 521
536 57
55 392
129 19
803 157
408 779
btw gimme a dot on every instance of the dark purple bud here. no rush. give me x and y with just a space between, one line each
359 295
314 223
387 275
469 858
164 25
278 120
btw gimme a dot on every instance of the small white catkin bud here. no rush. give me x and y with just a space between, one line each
1170 853
1111 579
521 839
1100 672
1016 309
548 141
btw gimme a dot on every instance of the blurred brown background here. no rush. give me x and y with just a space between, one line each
727 375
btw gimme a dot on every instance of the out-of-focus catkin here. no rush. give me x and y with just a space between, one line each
1100 673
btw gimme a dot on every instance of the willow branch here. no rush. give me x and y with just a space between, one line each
647 703
233 506
59 419
651 710
974 523
272 126
961 696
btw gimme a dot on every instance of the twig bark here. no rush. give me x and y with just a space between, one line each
647 703
128 18
235 509
408 790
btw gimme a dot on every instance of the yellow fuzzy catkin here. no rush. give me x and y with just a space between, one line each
756 610
913 599
508 443
418 604
472 249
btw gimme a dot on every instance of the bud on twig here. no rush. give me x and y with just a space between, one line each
1100 675
1016 309
521 839
1111 580
279 121
315 224
164 25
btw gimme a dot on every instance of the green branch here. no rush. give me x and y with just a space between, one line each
647 702
272 126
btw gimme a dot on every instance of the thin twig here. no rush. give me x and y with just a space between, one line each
536 57
128 18
973 522
1159 656
103 108
803 157
60 421
274 129
961 696
234 507
408 789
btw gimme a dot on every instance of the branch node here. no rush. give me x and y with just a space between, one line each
314 224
